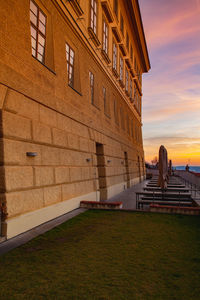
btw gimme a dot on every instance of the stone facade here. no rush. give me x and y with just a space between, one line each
83 150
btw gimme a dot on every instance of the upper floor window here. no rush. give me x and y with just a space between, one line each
116 7
127 41
91 78
93 15
131 89
114 56
105 36
70 64
121 68
131 53
38 31
122 24
126 80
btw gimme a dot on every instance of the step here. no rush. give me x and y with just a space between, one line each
180 186
183 190
164 195
172 203
165 199
100 204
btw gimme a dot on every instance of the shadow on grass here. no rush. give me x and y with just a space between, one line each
108 255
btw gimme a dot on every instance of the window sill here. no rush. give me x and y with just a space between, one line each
116 34
75 90
109 117
93 37
95 106
123 49
105 56
44 65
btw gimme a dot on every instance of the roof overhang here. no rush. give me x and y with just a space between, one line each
133 11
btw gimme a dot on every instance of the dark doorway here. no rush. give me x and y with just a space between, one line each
127 175
101 171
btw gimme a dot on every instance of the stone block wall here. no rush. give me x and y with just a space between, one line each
41 113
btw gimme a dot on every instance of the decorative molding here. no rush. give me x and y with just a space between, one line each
94 37
123 49
115 73
76 6
105 56
107 11
117 34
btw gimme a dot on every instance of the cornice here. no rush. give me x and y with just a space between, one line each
133 11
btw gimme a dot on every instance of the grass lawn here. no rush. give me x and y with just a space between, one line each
108 255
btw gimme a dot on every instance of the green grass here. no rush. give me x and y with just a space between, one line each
108 255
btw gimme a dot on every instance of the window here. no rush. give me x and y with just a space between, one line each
93 15
126 81
105 36
91 78
114 56
116 7
127 41
131 53
135 91
70 64
131 89
121 66
122 24
38 32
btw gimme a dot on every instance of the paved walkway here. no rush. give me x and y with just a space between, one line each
128 197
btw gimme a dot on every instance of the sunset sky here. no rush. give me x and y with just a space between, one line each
171 89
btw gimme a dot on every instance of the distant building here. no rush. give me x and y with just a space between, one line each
70 99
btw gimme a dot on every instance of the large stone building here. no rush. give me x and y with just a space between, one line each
70 100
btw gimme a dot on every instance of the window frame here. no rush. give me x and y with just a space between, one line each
105 35
121 68
127 41
122 24
114 56
126 79
38 32
131 88
91 80
116 8
70 65
93 15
